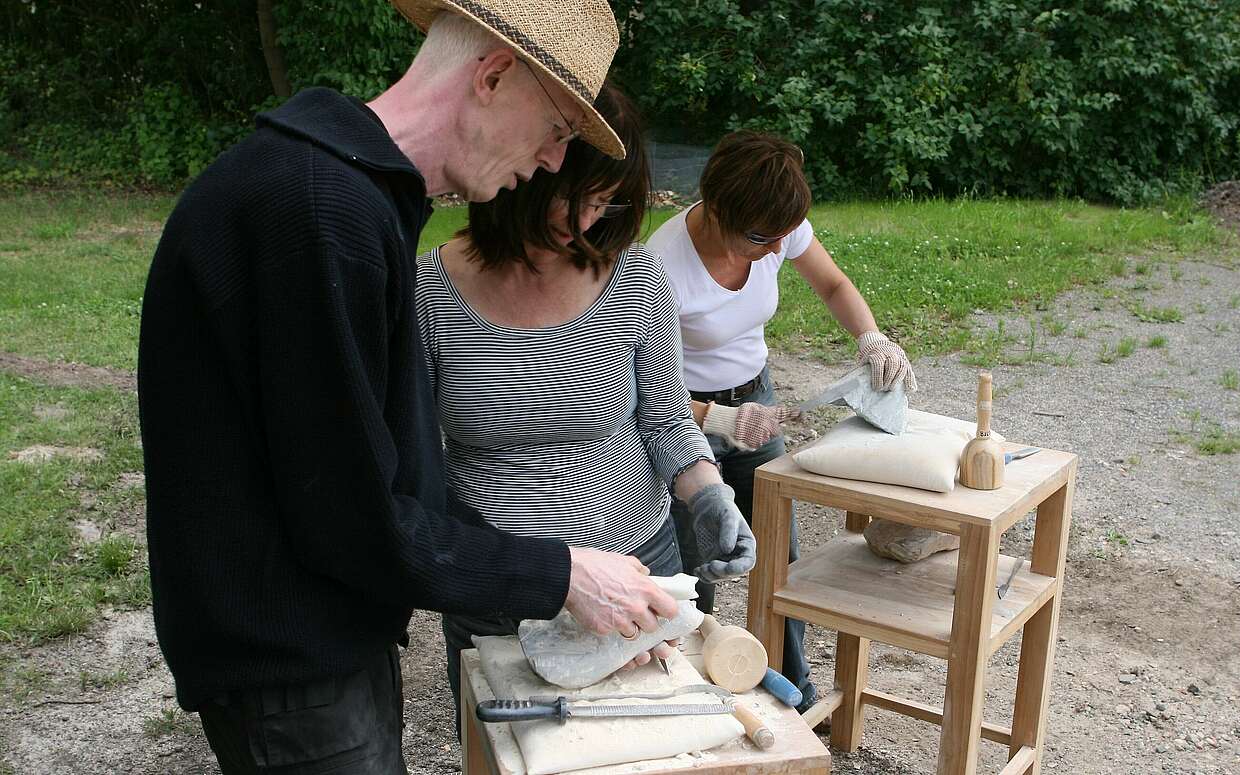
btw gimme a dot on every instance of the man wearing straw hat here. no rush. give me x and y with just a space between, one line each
296 506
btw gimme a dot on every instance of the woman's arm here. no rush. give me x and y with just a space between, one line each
835 289
677 448
887 361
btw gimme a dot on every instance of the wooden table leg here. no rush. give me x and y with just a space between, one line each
474 750
854 522
852 662
968 651
772 528
1037 648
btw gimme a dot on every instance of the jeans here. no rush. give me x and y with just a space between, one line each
346 724
737 467
660 554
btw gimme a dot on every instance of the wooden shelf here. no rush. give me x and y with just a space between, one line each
844 586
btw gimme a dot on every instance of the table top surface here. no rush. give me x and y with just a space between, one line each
1027 482
796 749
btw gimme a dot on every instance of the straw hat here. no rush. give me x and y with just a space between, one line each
572 43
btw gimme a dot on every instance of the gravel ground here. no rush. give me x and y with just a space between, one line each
1147 676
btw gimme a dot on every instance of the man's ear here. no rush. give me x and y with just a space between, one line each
493 69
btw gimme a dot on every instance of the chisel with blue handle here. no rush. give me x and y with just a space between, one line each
1008 457
781 688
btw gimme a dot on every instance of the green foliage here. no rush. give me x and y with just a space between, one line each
1114 100
1107 99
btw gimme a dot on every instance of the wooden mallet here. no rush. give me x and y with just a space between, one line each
981 463
734 658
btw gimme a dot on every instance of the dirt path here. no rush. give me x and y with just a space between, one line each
1147 676
67 374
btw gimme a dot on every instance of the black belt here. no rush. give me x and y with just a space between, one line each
730 396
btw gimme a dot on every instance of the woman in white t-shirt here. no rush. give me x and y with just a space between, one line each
722 257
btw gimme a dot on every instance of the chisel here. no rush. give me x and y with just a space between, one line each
1008 457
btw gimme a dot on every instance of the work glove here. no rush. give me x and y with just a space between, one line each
747 426
725 543
887 361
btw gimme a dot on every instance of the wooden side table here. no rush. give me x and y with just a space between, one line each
491 749
944 606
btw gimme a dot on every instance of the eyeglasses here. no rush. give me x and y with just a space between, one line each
604 209
608 210
573 132
758 239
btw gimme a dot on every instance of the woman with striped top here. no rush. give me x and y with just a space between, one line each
555 356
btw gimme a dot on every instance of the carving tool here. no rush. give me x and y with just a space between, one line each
755 728
496 711
1016 566
1008 457
781 688
981 463
885 410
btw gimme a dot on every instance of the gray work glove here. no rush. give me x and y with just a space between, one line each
725 543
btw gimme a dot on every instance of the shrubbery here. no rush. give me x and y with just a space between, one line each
1109 99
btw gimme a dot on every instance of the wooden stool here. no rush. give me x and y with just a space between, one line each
491 749
944 606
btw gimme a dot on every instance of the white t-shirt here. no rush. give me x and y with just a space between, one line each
721 329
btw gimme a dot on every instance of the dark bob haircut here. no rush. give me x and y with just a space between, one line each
499 230
755 183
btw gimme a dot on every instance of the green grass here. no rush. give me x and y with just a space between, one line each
1155 314
925 266
1156 341
1230 380
73 265
170 721
1217 441
72 270
50 583
1116 537
114 678
1123 348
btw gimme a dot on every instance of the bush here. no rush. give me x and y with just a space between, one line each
1113 100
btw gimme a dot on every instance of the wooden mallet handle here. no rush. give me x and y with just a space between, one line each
981 462
984 403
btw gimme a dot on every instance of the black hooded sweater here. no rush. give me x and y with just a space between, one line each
296 508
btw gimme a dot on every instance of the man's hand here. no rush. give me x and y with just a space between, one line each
662 651
610 592
725 543
747 426
888 363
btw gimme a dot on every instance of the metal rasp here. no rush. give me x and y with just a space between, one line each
884 409
718 691
495 711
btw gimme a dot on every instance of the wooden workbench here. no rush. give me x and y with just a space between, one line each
491 749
